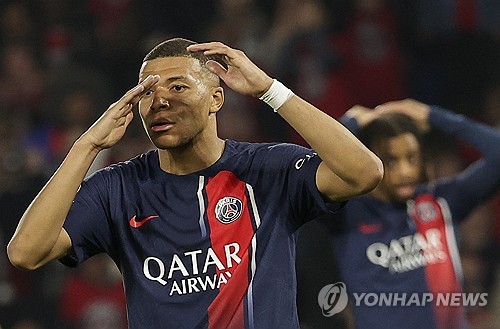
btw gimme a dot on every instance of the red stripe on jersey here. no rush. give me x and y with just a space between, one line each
229 222
441 277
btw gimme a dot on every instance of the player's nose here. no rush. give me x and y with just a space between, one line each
406 169
160 103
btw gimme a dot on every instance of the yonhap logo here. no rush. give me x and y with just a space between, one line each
332 298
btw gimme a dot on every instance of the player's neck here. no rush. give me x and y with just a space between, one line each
379 194
382 195
192 158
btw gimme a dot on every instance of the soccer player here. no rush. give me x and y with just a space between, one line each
201 228
401 238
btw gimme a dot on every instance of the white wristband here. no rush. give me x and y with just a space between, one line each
276 95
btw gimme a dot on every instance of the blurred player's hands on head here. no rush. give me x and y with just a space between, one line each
363 115
414 109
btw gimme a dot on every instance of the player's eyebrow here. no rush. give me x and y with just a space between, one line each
170 79
175 78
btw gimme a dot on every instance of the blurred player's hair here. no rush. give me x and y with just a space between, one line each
375 134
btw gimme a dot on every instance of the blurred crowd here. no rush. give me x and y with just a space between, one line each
63 62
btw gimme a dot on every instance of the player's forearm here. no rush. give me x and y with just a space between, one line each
41 224
341 151
483 138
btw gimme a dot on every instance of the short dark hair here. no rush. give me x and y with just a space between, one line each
176 47
389 125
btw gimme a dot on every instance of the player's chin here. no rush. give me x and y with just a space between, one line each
168 142
405 193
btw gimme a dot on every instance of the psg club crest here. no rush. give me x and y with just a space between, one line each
228 209
426 211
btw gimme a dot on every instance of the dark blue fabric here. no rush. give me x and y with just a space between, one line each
282 177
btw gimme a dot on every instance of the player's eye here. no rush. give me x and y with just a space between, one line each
178 88
413 159
149 92
391 162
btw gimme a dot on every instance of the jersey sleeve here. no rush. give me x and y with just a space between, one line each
305 200
481 179
88 220
350 123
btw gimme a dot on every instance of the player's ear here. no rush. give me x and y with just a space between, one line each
217 99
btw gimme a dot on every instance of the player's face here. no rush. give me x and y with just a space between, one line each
402 167
178 109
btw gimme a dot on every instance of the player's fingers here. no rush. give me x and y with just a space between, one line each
360 108
129 118
216 68
129 95
125 120
134 94
206 46
216 48
149 82
126 109
388 105
399 105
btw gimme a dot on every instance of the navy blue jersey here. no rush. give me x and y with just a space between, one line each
211 249
411 248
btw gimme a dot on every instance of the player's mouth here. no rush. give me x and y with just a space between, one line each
405 191
161 125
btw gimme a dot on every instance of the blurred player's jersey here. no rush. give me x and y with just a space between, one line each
211 249
396 252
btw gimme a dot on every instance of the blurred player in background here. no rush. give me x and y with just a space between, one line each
401 238
201 228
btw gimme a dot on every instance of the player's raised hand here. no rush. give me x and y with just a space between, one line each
241 75
113 123
414 109
363 115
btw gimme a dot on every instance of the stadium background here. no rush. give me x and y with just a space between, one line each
62 63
